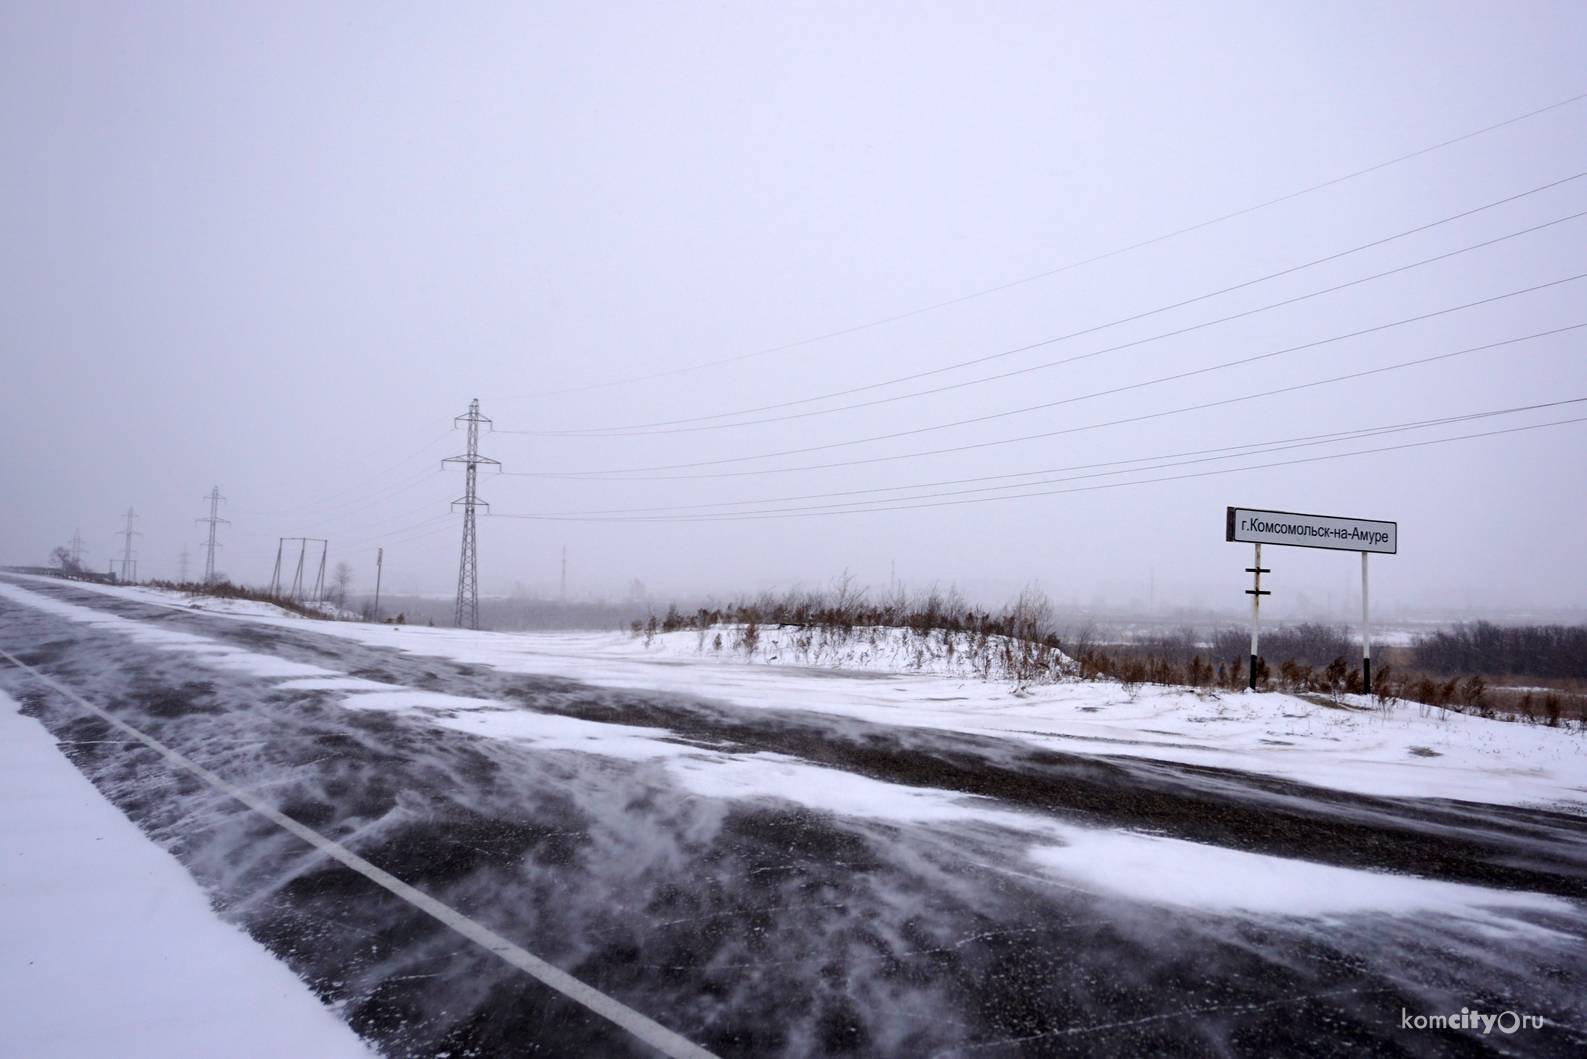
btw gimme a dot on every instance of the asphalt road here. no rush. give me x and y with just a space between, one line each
767 929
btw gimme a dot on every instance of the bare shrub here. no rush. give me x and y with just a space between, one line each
748 637
1259 668
1386 688
1295 676
1131 674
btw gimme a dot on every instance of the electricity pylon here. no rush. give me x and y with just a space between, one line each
129 565
214 520
468 564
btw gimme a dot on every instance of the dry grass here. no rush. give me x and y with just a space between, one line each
227 590
1016 643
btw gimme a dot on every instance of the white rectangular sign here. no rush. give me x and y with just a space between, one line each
1312 531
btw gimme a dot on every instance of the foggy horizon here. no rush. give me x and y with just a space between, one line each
1039 292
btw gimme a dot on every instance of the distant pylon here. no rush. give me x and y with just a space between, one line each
296 591
77 546
214 520
129 565
181 577
468 564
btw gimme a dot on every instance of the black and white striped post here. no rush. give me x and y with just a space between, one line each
1290 528
1366 632
1256 595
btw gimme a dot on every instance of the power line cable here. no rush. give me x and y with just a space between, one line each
326 502
443 521
1116 422
642 428
1111 423
1050 404
882 507
1095 469
365 527
436 475
448 526
1056 271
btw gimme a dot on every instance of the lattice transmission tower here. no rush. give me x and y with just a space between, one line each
468 564
129 562
214 520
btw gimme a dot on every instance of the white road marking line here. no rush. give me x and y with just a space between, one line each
646 1029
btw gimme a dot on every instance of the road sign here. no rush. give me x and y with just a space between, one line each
1254 526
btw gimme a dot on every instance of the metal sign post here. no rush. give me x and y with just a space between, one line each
1366 632
380 558
1256 595
1312 531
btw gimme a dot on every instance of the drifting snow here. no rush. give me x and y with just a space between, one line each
1278 734
210 652
1170 871
110 947
1406 750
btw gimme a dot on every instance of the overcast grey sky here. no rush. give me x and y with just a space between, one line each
277 248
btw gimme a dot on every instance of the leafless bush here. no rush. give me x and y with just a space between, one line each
1131 674
1334 675
748 637
1296 676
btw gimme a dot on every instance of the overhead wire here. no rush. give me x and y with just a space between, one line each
597 475
433 521
886 506
428 527
366 526
1219 452
353 488
1061 269
414 483
684 424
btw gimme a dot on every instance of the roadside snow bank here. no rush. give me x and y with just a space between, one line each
1405 751
110 948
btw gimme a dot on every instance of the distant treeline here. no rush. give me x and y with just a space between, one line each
1548 651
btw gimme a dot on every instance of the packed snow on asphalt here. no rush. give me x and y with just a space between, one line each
862 851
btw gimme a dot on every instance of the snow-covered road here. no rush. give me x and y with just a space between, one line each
787 861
